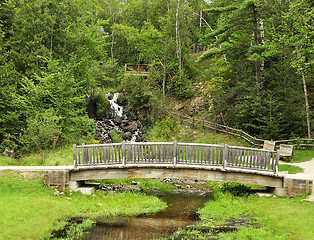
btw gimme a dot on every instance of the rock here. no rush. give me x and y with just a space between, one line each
9 153
127 135
118 120
132 127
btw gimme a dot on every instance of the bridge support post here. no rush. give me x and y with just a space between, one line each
175 144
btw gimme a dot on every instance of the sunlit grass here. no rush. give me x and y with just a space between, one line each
303 155
291 169
30 210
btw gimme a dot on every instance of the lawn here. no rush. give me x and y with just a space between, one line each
30 210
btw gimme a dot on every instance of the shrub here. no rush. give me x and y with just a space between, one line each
180 85
102 103
236 189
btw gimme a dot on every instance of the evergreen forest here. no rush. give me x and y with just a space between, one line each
252 58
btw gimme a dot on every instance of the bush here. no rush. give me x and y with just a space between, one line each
236 189
102 103
42 131
180 85
163 130
138 92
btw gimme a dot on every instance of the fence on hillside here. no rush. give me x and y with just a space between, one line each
175 154
256 142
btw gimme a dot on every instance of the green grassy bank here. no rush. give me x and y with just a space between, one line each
266 218
30 210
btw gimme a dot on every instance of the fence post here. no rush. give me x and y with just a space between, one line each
277 162
203 125
181 119
215 127
225 156
254 142
193 122
298 142
175 144
241 132
227 129
123 154
74 156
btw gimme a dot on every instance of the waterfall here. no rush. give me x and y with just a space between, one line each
120 119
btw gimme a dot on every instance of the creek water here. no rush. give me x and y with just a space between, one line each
180 213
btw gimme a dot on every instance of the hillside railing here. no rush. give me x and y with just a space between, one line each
176 154
256 142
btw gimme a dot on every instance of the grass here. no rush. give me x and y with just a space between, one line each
291 169
58 157
303 155
270 219
29 210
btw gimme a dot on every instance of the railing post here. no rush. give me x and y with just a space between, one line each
74 156
175 144
123 154
277 162
225 156
84 154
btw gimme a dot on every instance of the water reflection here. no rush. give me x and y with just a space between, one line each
179 214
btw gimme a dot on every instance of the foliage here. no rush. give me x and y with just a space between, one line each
138 92
163 130
236 189
43 130
102 103
115 136
180 85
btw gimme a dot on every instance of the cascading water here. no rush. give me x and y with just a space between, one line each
116 109
120 120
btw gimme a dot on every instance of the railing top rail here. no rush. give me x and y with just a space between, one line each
255 149
200 144
98 145
148 143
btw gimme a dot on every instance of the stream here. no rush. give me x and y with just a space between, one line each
181 212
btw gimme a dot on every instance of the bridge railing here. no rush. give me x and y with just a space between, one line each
175 153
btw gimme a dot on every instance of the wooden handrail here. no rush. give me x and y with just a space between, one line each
237 132
175 154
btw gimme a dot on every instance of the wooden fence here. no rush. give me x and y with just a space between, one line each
256 142
175 153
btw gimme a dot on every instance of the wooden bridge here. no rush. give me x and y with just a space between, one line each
177 160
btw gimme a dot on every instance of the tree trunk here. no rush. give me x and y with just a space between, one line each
261 27
178 40
256 42
307 108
